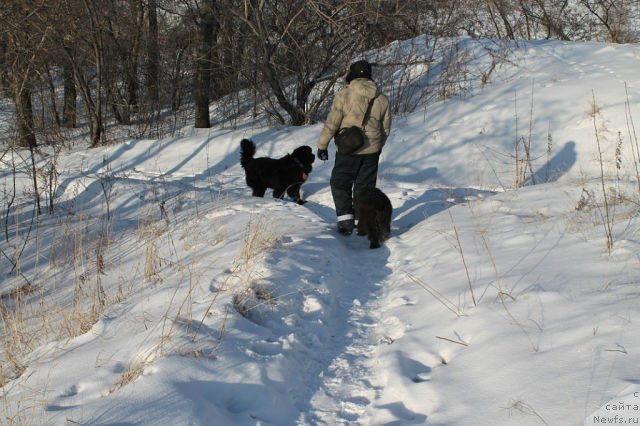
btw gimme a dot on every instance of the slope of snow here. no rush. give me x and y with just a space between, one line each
214 307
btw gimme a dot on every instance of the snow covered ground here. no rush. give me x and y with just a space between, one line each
195 303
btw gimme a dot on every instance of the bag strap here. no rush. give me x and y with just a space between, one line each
368 113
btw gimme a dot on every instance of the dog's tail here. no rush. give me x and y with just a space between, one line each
247 151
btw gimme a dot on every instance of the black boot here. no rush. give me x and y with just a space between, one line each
345 227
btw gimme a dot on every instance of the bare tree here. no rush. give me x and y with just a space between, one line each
549 14
208 31
503 10
295 45
79 37
123 24
153 53
132 60
23 48
70 95
615 16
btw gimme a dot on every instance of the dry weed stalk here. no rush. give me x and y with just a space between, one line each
444 301
523 163
633 137
525 408
150 262
169 324
502 294
549 150
527 145
102 247
460 250
150 233
485 243
607 215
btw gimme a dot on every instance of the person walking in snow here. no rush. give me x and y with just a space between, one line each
353 172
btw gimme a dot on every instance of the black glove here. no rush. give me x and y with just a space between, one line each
323 154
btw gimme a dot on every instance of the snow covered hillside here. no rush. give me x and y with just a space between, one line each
161 292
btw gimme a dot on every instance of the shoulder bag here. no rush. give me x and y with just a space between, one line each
350 139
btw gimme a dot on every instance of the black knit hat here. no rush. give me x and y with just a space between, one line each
359 69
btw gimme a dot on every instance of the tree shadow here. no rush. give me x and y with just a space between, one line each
416 210
201 402
556 166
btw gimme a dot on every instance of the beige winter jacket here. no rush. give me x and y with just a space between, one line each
348 109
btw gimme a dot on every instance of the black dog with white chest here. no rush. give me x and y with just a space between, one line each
373 211
283 175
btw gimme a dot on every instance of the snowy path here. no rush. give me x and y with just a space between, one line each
350 382
362 375
346 377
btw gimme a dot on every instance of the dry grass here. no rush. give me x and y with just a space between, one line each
593 109
441 298
151 262
35 313
135 367
248 301
259 238
526 409
130 374
13 345
19 329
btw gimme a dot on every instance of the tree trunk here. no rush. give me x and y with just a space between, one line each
94 105
208 33
52 96
504 16
297 115
24 115
132 82
153 52
70 95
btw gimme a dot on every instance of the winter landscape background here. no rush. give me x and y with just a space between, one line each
160 292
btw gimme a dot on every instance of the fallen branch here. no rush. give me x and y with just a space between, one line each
458 342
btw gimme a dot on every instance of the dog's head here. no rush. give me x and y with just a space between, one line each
304 154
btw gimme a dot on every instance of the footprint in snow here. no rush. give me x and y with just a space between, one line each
311 305
415 370
72 390
265 348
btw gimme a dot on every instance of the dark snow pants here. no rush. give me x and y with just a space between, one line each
350 174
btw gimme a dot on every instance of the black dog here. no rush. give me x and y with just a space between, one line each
286 174
373 210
